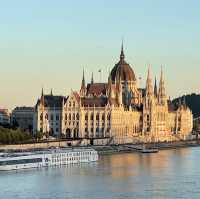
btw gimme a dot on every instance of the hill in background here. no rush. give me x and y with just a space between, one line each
193 101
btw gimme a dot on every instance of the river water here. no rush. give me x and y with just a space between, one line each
168 174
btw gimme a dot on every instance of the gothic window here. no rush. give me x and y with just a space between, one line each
65 116
103 117
74 116
70 104
97 116
77 116
92 117
70 116
73 104
86 117
41 116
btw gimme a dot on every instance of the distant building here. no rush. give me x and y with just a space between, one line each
22 117
117 109
4 117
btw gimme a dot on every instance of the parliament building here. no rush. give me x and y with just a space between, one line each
115 112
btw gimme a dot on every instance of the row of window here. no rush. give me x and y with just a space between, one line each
72 116
21 161
97 116
97 130
73 154
57 117
72 104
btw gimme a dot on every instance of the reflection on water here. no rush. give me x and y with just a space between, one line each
168 174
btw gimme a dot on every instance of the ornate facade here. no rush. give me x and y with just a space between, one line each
117 111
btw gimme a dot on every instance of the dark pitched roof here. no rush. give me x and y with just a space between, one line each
94 101
97 89
53 101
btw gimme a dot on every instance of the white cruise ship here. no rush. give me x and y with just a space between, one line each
15 161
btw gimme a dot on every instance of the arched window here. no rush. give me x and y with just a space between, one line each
41 116
77 116
92 117
103 117
73 104
70 104
73 116
86 116
97 116
70 116
65 116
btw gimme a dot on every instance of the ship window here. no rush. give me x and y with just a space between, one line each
22 161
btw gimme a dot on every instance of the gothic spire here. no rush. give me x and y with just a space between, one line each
51 92
149 87
161 93
92 79
83 80
155 88
42 93
42 97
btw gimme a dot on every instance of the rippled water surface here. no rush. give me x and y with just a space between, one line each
168 174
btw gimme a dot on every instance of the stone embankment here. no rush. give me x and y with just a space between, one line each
102 149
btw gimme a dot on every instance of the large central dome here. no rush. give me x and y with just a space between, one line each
122 70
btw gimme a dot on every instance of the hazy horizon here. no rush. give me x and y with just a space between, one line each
48 43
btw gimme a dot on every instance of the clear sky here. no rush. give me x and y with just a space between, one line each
48 42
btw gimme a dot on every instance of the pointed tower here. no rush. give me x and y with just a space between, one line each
161 93
83 87
92 79
51 92
149 87
155 89
42 97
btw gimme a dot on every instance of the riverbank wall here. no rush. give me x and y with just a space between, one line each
102 149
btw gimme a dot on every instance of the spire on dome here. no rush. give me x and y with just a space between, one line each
122 52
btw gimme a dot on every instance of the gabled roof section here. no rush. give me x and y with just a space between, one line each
97 89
